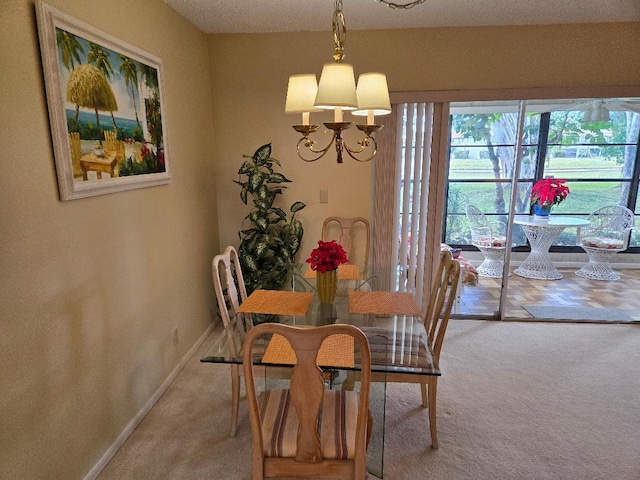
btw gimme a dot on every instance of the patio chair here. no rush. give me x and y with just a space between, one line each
607 234
486 236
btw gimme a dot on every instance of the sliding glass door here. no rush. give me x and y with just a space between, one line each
493 153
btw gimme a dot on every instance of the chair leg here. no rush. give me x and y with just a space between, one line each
235 398
433 386
350 381
598 267
493 263
425 398
369 427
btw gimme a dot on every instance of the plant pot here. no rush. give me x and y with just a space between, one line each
542 210
327 285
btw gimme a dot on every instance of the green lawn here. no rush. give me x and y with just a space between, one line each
584 198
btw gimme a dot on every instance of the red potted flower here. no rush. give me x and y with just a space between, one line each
547 193
325 260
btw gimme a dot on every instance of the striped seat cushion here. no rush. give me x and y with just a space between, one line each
337 424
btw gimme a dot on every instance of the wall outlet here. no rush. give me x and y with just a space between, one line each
176 338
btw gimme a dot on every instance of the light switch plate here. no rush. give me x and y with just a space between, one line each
324 196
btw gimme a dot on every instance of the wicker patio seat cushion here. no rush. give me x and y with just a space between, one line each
602 242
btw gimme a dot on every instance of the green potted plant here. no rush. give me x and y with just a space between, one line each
268 247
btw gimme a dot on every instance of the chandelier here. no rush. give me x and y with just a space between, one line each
337 91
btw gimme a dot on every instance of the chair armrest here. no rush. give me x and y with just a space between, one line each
626 237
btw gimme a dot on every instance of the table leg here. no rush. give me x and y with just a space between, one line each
538 264
375 452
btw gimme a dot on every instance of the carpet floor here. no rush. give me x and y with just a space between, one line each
517 401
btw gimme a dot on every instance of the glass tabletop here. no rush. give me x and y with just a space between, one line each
398 343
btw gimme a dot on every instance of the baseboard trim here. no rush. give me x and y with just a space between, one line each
135 421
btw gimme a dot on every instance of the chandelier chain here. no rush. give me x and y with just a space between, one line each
401 6
339 32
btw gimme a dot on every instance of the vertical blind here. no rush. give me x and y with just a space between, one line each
410 203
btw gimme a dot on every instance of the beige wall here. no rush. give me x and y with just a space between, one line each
91 289
250 75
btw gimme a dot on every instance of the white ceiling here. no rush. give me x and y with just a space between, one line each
254 16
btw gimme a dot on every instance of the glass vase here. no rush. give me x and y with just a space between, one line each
327 285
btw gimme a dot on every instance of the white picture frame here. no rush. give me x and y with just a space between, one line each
106 108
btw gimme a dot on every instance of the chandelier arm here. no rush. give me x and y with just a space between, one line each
365 143
400 6
308 144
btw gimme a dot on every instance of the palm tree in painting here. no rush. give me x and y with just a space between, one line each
89 88
99 57
70 50
150 76
129 69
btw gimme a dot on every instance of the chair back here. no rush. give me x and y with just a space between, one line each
443 297
120 151
110 141
228 283
297 437
76 153
346 231
484 232
611 222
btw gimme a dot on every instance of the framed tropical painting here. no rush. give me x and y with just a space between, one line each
106 108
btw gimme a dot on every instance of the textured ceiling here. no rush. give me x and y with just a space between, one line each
253 16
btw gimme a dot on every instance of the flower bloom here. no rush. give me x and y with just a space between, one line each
327 256
549 191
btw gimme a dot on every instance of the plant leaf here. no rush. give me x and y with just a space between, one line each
279 212
297 206
248 262
245 168
262 154
262 205
277 178
256 180
260 220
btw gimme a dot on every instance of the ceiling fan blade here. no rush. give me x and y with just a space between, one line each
630 106
563 106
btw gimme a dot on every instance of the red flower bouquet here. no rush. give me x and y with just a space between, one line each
327 256
549 191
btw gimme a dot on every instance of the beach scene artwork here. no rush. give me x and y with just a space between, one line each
105 107
112 104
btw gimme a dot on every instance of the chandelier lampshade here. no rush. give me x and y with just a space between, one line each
337 87
373 96
301 94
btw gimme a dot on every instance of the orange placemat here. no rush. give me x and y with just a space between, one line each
346 271
382 303
335 351
277 302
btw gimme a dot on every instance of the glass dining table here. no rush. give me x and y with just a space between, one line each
365 298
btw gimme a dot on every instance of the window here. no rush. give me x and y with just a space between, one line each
593 143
